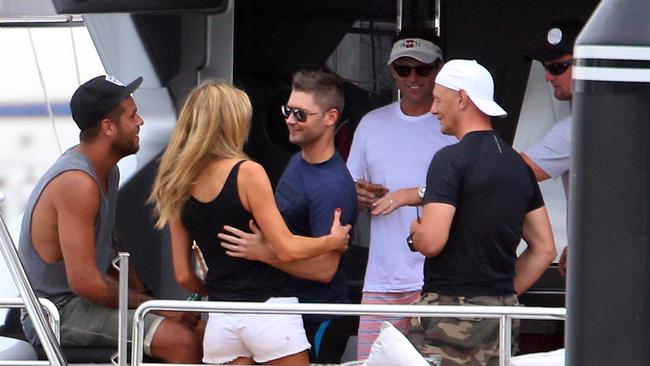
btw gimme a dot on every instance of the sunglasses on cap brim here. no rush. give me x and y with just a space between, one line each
558 68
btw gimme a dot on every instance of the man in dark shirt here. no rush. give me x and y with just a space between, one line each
315 183
481 200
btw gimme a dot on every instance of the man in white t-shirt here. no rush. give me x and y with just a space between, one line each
390 154
550 157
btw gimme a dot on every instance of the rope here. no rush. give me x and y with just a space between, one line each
47 98
74 52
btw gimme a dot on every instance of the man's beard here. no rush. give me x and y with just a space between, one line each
123 149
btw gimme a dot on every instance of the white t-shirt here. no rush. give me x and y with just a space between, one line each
395 149
553 152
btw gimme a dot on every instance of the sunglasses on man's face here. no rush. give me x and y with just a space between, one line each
558 68
300 114
421 70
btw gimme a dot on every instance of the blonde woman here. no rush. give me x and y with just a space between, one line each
205 182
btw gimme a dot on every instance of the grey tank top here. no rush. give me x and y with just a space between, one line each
49 279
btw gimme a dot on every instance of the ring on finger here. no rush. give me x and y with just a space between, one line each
391 202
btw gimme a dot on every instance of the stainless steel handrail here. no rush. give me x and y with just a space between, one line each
50 309
121 263
44 332
505 314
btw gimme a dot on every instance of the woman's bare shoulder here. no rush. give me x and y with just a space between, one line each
251 168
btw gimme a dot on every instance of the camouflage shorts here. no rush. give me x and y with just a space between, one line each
461 341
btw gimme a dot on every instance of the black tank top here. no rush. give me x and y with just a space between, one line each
230 279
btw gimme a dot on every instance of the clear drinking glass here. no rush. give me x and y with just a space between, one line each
376 183
434 360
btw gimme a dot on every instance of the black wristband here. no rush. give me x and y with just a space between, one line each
409 242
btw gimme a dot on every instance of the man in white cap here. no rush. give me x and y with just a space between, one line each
391 149
481 200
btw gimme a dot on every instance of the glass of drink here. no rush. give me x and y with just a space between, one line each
434 360
378 190
376 183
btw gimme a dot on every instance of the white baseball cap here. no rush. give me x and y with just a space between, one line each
475 79
417 48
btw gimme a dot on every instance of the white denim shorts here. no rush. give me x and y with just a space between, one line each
262 337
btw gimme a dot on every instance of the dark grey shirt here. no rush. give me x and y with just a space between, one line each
49 280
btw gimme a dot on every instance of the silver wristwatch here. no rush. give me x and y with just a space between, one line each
421 191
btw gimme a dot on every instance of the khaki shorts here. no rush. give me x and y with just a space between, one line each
84 323
462 341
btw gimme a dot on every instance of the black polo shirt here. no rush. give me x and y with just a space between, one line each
492 189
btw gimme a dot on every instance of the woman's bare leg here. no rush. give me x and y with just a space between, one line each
297 359
242 361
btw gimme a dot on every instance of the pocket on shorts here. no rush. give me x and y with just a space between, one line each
460 333
418 324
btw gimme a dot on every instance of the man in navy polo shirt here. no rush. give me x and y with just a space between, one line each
314 184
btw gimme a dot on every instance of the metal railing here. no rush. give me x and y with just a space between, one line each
34 310
49 335
52 314
505 314
51 311
121 263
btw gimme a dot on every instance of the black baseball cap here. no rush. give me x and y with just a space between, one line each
98 96
557 40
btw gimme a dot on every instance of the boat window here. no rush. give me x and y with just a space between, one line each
362 54
103 6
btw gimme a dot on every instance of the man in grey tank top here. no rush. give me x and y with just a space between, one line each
66 234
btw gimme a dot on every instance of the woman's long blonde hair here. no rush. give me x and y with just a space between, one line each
213 124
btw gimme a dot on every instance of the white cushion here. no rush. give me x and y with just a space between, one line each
392 348
14 349
553 358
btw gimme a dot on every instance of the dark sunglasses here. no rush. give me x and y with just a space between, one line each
300 114
421 70
558 68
